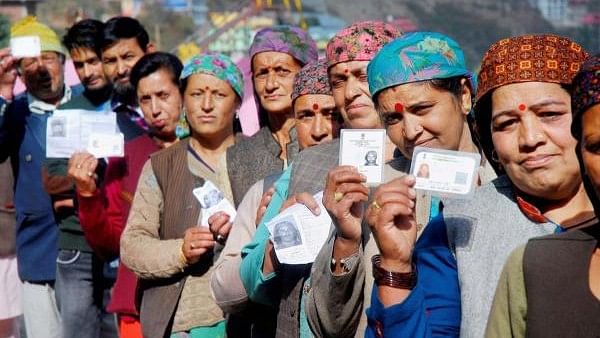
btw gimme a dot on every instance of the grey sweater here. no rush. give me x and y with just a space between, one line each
481 232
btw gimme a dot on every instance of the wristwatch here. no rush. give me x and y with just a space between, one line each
397 280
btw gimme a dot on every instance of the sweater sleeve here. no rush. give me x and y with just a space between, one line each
509 309
142 250
226 283
102 219
260 288
334 305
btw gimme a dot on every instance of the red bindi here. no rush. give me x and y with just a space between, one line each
315 106
346 71
399 107
522 107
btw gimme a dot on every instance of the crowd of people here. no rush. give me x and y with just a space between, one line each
117 246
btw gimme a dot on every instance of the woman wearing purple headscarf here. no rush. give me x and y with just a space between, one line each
276 55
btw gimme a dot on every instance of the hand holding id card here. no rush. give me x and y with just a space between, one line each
212 200
445 172
364 149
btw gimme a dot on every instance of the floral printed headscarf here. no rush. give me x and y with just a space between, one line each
359 41
312 79
285 39
417 56
218 65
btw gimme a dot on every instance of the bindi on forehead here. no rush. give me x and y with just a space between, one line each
399 107
522 106
315 106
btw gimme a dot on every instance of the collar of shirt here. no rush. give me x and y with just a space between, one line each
530 211
535 215
38 106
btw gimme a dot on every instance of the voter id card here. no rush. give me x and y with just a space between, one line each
445 172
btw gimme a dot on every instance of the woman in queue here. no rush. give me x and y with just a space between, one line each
523 114
163 242
276 55
551 286
103 209
423 93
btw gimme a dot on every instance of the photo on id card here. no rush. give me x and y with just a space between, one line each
212 200
365 150
445 172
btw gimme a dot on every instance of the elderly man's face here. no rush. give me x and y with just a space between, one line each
44 76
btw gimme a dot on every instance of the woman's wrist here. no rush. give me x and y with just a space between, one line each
396 265
399 280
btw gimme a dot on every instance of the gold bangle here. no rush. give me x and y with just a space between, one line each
182 259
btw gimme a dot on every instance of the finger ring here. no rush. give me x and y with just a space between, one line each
220 239
337 196
78 166
90 174
375 205
192 246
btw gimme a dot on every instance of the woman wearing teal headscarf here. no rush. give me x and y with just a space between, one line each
423 92
442 284
164 242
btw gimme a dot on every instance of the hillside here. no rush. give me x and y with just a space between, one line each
475 24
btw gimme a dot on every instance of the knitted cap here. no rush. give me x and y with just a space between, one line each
29 26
